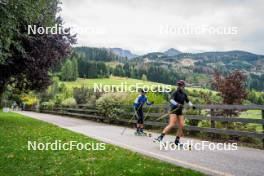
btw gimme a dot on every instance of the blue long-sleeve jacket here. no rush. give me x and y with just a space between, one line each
140 101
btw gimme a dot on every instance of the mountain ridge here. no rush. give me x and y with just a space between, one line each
172 52
123 53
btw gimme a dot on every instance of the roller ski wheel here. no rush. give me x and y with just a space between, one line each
190 147
149 135
143 134
146 134
181 145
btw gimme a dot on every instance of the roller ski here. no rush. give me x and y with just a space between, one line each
180 145
138 133
159 140
146 134
173 146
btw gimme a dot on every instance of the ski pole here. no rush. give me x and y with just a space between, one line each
147 112
161 117
135 113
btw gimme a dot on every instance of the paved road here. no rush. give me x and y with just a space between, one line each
244 161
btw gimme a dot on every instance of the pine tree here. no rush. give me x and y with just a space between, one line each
67 71
75 72
144 77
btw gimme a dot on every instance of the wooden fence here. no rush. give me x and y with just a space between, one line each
209 114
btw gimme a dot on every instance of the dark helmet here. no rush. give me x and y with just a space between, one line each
143 90
181 83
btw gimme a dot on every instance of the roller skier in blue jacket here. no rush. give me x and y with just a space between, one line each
138 107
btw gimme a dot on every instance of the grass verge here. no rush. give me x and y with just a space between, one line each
16 130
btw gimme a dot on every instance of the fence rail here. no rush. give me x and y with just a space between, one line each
92 112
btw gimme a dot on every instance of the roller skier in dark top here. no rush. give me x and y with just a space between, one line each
178 98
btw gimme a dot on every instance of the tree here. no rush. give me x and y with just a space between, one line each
98 54
26 59
75 72
260 100
55 88
127 69
252 96
67 71
144 77
232 88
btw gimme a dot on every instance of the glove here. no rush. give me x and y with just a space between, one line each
174 106
193 107
136 109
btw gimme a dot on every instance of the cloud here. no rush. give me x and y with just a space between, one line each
137 25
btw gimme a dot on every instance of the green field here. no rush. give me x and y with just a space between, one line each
107 81
254 114
116 81
16 159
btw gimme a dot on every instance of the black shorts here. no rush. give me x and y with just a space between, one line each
176 111
140 116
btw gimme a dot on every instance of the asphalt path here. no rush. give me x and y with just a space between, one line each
232 161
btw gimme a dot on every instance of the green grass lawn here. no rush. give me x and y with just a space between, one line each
16 159
253 114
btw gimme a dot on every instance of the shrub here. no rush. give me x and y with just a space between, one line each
80 95
109 105
193 122
29 99
69 102
91 100
47 105
58 99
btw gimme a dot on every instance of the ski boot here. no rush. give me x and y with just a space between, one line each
158 139
177 142
137 133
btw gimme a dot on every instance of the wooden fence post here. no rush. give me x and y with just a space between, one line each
262 113
212 122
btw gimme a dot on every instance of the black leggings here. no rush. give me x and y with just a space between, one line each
140 116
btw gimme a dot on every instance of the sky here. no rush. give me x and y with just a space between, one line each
144 26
